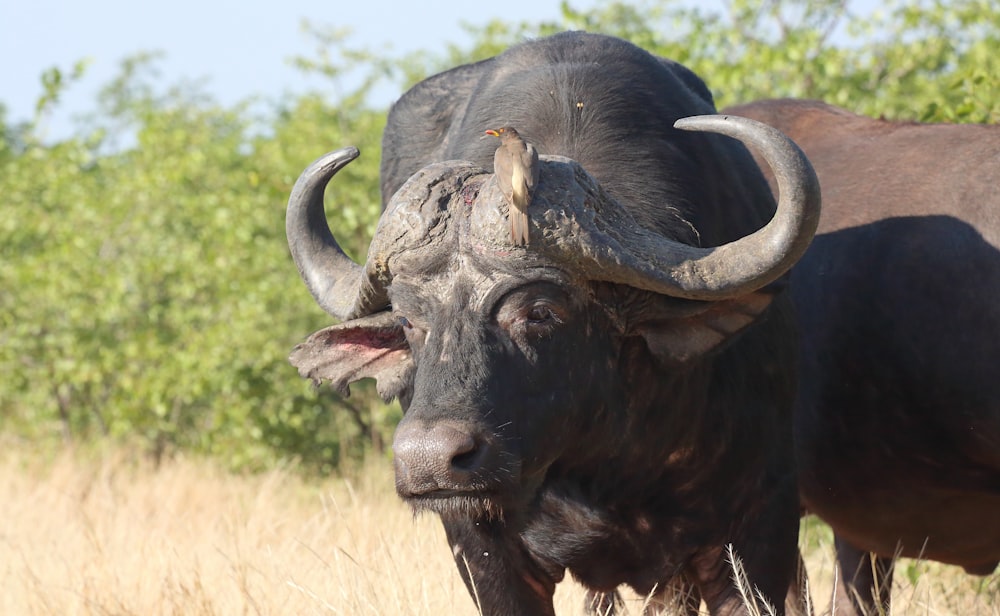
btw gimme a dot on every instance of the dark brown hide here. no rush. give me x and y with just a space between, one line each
613 400
898 298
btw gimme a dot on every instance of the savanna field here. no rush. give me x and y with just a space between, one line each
148 303
110 533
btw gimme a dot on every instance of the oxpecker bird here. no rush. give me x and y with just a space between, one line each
516 167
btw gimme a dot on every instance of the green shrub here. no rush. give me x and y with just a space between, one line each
146 292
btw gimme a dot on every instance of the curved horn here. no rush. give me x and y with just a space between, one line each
762 257
623 252
341 287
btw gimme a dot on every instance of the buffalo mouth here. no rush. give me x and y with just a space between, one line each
489 496
458 504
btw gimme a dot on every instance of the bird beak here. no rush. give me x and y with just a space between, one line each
492 133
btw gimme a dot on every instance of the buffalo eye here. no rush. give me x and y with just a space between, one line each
534 311
404 322
541 320
540 314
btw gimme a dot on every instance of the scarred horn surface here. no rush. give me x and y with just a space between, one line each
585 230
760 258
581 227
341 287
610 246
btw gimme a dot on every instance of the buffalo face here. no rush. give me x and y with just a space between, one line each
560 410
504 357
508 376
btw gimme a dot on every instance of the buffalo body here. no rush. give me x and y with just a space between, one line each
898 297
613 399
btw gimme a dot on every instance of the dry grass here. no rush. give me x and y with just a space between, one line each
115 536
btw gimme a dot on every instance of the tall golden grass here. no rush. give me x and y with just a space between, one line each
111 534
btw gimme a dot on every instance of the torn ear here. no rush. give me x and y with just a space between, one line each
370 347
677 331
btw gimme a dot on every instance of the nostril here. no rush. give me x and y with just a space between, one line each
467 459
462 449
442 455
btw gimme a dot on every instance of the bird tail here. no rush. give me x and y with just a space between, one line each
518 227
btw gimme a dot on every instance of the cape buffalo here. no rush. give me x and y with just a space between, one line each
614 398
898 421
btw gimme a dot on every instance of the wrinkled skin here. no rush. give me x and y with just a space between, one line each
556 512
612 432
560 414
898 420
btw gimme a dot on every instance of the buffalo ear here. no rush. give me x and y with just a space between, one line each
369 347
677 330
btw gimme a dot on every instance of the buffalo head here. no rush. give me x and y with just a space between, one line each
506 358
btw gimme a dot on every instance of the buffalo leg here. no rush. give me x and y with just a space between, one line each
744 588
763 563
499 575
864 582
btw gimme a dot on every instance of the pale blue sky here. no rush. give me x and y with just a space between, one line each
242 47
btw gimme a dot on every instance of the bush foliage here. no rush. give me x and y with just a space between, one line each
146 292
